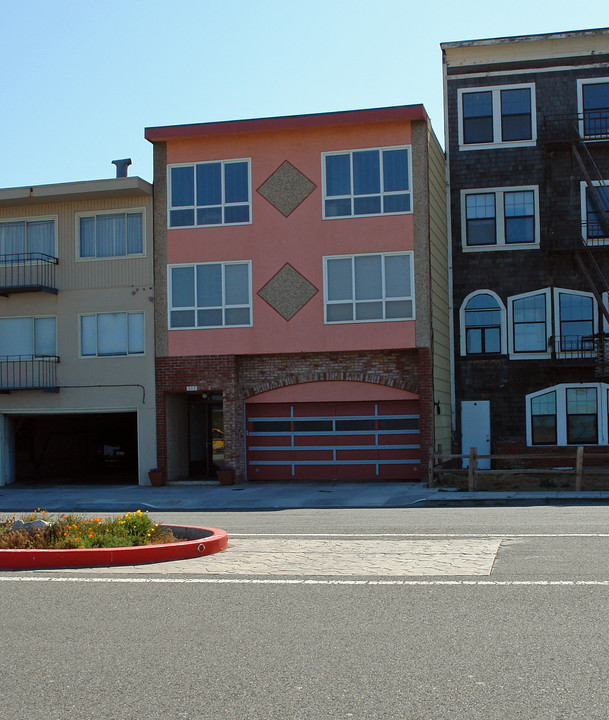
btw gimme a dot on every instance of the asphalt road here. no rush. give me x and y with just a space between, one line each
528 640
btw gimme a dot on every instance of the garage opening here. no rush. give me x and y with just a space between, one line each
76 448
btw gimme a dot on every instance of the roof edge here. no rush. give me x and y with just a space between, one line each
526 38
346 117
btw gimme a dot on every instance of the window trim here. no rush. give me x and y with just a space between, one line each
223 307
580 107
352 195
500 243
557 320
513 354
222 162
352 257
496 105
602 412
115 211
584 212
502 330
110 312
37 218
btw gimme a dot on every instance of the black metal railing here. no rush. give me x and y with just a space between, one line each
576 347
25 372
589 125
20 272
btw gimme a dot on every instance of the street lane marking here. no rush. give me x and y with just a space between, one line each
309 581
421 535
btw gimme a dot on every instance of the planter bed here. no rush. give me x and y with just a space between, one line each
198 541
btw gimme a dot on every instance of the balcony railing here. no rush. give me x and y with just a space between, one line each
572 235
24 372
589 125
27 272
574 347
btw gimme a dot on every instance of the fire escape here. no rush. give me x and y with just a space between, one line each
574 145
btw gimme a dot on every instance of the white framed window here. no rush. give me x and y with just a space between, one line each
497 116
209 194
371 181
110 234
575 322
529 325
210 295
500 218
32 237
593 107
28 337
568 414
111 334
483 326
369 288
595 212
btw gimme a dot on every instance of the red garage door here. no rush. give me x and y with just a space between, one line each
333 441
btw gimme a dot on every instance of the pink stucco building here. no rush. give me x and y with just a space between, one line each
301 296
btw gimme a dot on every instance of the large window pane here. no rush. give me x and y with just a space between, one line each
340 279
209 187
12 237
16 336
481 219
368 279
516 114
136 333
135 241
88 335
112 334
477 117
44 336
397 276
182 287
182 186
110 231
596 108
209 285
41 237
87 237
237 284
236 182
519 208
395 170
366 172
338 175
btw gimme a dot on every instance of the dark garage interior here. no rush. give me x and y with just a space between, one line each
80 448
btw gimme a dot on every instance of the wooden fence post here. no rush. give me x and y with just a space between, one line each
579 467
472 468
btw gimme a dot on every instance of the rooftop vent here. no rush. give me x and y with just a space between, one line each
121 167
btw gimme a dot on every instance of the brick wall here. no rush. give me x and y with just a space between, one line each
238 378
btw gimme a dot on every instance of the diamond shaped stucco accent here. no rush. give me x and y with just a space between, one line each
286 188
287 292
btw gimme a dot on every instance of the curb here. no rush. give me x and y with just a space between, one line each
201 541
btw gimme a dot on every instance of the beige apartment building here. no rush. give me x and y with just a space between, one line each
77 400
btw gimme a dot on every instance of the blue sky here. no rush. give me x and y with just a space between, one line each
81 79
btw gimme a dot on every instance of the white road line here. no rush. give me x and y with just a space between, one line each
363 536
259 581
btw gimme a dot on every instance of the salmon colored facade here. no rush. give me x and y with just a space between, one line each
318 303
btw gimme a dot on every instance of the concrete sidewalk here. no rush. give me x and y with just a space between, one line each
268 496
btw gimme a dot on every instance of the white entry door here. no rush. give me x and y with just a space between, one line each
476 430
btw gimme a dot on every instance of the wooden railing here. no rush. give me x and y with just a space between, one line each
574 468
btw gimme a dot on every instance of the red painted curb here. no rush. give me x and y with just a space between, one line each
201 541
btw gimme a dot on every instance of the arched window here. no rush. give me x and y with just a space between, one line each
482 323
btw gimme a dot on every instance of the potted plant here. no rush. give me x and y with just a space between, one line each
226 475
156 477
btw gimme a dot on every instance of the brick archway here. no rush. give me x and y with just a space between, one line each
372 378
